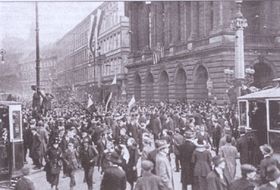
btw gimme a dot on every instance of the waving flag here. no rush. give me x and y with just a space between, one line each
94 28
91 32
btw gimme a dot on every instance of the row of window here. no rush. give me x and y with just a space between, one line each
110 43
112 67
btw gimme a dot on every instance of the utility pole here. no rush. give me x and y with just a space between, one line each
37 49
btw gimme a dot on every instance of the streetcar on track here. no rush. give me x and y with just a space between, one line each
260 111
11 143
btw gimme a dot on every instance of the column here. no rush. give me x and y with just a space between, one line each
239 24
133 26
194 21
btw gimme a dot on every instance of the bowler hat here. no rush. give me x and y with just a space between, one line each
25 170
247 168
242 130
114 157
217 160
161 144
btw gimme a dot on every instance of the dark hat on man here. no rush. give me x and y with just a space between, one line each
273 173
114 157
247 168
266 149
86 140
189 135
217 160
25 170
147 165
56 140
161 144
242 130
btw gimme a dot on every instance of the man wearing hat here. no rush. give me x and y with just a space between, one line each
114 177
267 161
185 151
246 181
149 181
163 166
25 182
216 180
273 176
242 146
178 140
88 156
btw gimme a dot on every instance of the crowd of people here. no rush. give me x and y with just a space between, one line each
203 138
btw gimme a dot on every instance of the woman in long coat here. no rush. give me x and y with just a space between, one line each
230 154
53 165
202 165
131 171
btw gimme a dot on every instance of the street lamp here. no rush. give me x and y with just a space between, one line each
2 53
238 24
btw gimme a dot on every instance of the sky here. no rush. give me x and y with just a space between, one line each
55 19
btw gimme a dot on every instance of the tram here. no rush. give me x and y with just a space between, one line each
11 141
260 111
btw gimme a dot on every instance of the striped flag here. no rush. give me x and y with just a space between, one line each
94 28
97 29
91 31
108 101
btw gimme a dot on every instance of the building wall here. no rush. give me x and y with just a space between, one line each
78 69
47 72
198 45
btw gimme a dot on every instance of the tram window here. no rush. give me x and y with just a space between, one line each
16 125
243 116
274 141
274 114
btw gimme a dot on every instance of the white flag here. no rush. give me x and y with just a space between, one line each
90 102
131 102
114 80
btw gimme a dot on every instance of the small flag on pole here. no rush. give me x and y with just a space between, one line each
131 102
90 102
108 101
114 80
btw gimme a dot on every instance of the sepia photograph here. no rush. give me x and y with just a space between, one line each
140 95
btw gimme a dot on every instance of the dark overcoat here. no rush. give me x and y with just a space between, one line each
24 184
241 184
242 147
186 150
114 178
214 182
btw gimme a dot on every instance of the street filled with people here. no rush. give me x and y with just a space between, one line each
202 140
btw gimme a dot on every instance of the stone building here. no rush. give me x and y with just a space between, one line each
27 68
78 72
179 50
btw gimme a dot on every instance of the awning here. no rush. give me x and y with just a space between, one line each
263 94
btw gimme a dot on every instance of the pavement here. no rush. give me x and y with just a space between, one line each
40 182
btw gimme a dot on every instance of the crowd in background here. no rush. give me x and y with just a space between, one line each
200 138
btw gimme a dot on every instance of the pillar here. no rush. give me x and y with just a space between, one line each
194 21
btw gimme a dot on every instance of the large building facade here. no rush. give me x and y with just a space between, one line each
78 72
195 44
27 70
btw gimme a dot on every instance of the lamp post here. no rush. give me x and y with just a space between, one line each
2 53
37 49
238 24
